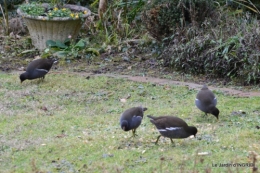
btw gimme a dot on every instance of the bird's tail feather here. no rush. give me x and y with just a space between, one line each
150 116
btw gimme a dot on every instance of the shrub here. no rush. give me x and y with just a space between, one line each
196 11
162 17
229 50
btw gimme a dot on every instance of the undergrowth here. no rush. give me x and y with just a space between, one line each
227 46
216 39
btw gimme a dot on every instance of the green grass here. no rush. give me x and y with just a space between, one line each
70 124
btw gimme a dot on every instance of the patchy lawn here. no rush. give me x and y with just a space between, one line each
69 123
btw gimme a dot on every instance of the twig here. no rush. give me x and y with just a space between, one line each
254 7
3 13
6 18
6 26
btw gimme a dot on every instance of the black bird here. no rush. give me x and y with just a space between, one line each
206 101
172 127
132 118
37 69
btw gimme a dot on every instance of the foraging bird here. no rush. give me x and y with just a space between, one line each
37 69
206 101
132 118
172 127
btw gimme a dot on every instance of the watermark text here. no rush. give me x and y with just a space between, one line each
224 165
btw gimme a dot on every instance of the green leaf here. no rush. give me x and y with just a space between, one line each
27 51
80 44
61 54
67 41
45 54
61 45
93 50
50 43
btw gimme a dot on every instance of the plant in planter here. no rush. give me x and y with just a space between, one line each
69 49
53 21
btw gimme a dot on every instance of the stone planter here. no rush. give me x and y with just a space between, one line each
42 28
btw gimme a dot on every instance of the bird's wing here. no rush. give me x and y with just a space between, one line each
42 70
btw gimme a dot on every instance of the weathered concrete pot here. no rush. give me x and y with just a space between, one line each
42 28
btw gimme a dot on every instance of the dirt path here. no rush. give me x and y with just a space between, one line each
159 81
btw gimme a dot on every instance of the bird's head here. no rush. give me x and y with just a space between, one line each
215 112
194 130
124 125
23 77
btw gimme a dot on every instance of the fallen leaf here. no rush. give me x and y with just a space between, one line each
203 153
123 100
44 108
61 136
128 96
21 69
167 87
108 155
17 36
